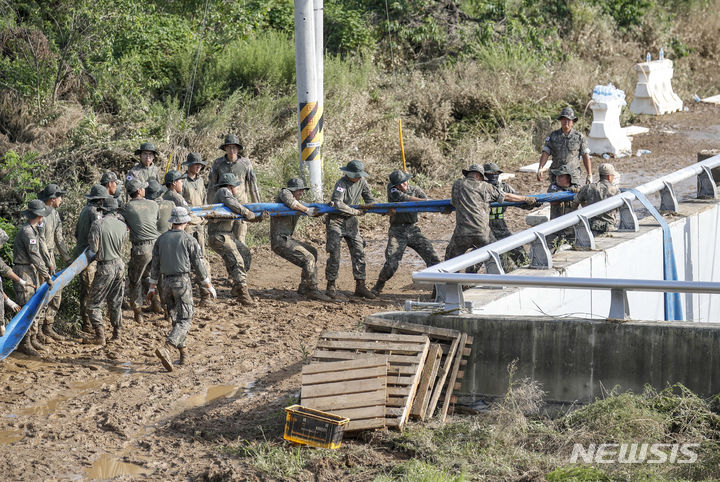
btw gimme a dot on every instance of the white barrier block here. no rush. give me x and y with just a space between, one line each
534 167
506 176
653 93
631 131
606 135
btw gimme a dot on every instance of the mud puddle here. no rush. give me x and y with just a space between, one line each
107 467
10 436
215 392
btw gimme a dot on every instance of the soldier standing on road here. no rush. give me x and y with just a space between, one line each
563 183
566 146
471 197
31 265
284 245
348 190
234 253
155 192
7 272
106 239
55 243
247 190
144 170
597 191
403 231
195 194
141 216
111 182
498 226
175 255
89 214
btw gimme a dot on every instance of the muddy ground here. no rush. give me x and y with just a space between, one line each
88 412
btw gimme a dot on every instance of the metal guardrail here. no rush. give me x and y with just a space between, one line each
449 291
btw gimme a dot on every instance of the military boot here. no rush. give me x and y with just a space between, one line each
116 334
137 312
361 290
163 353
50 332
184 358
40 338
27 348
35 343
98 339
242 293
332 292
312 293
377 289
156 306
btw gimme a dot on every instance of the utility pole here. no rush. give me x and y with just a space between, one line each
309 74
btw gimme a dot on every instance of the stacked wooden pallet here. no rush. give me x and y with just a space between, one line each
441 375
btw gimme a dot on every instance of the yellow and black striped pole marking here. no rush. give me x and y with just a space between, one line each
310 130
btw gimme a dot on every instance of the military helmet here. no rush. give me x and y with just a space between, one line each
154 189
107 177
194 158
51 191
110 204
36 208
562 170
231 139
354 169
399 177
296 184
147 146
228 179
568 113
492 168
172 175
134 185
97 192
179 215
474 168
607 169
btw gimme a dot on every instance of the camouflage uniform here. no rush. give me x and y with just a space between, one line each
566 150
243 170
194 194
471 199
234 253
560 209
344 225
5 271
175 198
500 230
106 239
594 192
142 173
141 216
404 232
284 245
54 242
175 255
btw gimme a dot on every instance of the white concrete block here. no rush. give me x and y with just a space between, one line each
715 99
506 176
606 136
534 167
653 93
631 131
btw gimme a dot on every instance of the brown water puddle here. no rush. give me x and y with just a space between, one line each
10 436
107 467
212 393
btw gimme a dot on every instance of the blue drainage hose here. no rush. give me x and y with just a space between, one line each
673 304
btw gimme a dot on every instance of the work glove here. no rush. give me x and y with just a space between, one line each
249 216
313 212
574 189
52 271
530 201
49 282
539 175
589 179
359 212
364 207
12 305
212 291
264 216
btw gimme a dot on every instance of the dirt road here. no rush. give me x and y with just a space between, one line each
88 412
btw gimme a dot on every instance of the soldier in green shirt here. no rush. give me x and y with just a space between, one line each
89 214
174 184
7 272
144 170
234 253
194 192
105 240
596 192
175 255
348 190
284 245
111 182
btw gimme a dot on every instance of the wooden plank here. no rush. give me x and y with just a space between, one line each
339 388
369 336
398 391
347 355
440 382
353 400
451 381
429 373
366 424
325 367
400 326
346 375
400 380
370 345
361 412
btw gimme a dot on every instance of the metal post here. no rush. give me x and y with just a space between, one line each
584 238
619 307
540 255
628 218
706 187
307 94
668 200
316 167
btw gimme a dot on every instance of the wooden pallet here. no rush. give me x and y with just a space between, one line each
455 350
355 389
427 381
406 355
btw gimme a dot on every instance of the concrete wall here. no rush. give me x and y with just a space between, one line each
639 255
577 360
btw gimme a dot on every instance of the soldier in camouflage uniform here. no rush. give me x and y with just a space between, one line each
284 245
89 214
403 231
247 190
597 191
174 184
234 253
141 216
7 272
144 170
175 255
55 244
348 190
155 192
472 196
111 182
194 193
567 147
31 264
106 239
498 226
563 182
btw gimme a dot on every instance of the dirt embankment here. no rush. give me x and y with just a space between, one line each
112 411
